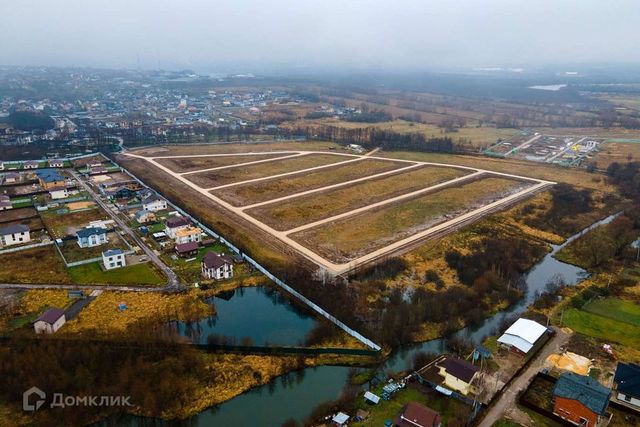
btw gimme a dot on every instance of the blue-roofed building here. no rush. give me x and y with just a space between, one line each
581 400
50 178
92 236
113 258
626 383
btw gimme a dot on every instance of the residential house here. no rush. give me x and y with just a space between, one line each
154 203
144 216
11 178
92 236
5 202
57 193
580 399
175 224
216 266
50 321
120 193
187 249
414 414
458 374
56 163
30 164
14 235
522 336
113 258
626 383
50 178
188 234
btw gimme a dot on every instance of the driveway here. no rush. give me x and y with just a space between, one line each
507 398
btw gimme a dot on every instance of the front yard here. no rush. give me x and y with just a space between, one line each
138 274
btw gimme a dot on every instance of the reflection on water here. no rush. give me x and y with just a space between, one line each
256 315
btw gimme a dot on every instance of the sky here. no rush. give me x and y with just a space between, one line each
257 35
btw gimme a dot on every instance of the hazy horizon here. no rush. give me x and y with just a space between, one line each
248 35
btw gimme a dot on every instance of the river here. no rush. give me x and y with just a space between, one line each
298 394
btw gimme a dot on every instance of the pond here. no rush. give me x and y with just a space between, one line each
259 315
295 395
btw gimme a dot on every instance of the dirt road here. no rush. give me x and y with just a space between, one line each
334 268
507 399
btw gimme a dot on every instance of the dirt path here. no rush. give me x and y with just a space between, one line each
507 401
336 268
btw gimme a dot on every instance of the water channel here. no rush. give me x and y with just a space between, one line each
297 394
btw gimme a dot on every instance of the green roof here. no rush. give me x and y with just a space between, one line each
585 390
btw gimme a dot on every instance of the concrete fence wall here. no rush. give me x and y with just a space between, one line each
24 248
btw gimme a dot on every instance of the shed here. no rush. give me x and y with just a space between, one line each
370 397
49 321
187 249
340 418
522 335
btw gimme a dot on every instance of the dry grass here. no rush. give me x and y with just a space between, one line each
576 177
299 211
103 317
243 195
620 152
352 237
227 176
197 163
60 225
38 265
191 149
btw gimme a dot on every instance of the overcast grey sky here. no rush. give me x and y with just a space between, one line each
246 34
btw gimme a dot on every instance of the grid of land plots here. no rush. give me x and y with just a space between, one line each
342 210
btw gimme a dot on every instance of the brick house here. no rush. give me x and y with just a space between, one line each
580 400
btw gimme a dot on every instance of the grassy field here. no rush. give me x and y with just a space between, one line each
103 316
224 148
616 309
196 163
270 189
38 265
621 152
227 176
299 211
349 238
576 177
73 252
604 328
138 274
63 224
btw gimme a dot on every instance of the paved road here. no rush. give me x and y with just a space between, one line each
173 281
336 268
508 396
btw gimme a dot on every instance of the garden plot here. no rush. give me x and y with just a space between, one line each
316 206
226 176
342 211
190 164
354 236
244 195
